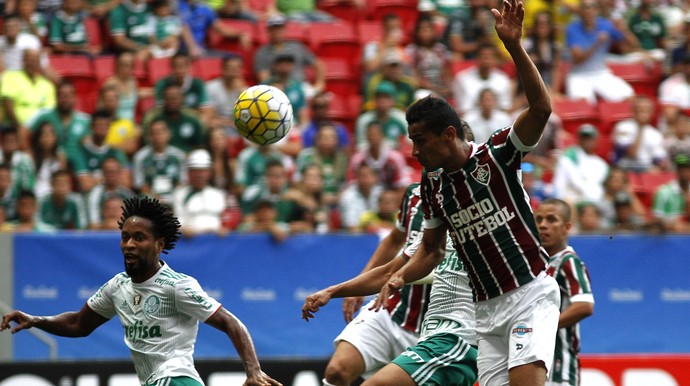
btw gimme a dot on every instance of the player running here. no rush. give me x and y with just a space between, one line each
158 307
474 192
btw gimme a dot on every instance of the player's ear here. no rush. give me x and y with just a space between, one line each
160 244
450 133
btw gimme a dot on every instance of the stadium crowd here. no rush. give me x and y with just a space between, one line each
105 99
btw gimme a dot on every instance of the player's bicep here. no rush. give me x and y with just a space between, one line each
89 320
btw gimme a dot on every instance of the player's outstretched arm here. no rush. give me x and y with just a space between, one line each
70 324
228 323
386 251
366 283
429 254
531 122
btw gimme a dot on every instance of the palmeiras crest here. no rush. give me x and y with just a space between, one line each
481 173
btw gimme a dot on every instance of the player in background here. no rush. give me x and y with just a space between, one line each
373 339
474 192
158 307
553 218
446 353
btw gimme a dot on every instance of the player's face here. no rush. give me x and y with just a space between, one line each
553 229
140 248
428 148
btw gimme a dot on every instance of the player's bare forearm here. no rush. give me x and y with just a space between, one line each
69 324
387 249
239 335
575 313
367 283
531 122
422 263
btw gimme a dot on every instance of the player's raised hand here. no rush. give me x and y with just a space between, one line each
508 23
24 321
350 306
394 284
261 379
313 302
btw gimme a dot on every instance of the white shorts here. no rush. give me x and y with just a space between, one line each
517 328
601 83
377 338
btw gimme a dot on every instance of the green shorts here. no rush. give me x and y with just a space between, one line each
175 381
443 359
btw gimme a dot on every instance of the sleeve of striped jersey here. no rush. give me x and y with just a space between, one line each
102 301
507 147
410 250
430 219
192 300
402 212
577 279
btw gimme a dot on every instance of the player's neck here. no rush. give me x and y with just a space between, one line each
459 155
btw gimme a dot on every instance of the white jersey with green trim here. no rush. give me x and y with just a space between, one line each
160 318
451 305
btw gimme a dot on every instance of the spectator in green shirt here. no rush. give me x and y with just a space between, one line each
94 150
67 31
62 208
187 131
193 89
130 27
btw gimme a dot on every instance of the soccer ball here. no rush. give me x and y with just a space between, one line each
263 114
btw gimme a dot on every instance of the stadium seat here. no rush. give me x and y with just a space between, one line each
611 113
78 69
341 110
158 68
344 10
645 184
462 65
293 31
94 33
340 79
207 68
143 106
406 9
644 78
103 67
335 40
369 31
575 112
218 42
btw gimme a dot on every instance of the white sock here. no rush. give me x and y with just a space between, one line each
325 383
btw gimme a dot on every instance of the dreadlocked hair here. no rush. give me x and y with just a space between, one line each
164 223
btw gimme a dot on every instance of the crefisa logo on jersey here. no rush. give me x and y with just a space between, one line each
481 173
152 304
521 330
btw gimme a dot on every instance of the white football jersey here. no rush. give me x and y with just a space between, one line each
160 320
451 308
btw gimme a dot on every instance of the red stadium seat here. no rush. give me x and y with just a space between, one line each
345 10
94 33
644 185
340 79
406 9
341 110
218 42
207 68
293 31
575 112
78 69
369 31
335 40
103 67
462 65
644 78
158 68
611 113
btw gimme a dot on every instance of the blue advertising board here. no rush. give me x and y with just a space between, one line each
641 286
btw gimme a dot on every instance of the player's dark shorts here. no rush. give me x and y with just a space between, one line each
443 359
175 381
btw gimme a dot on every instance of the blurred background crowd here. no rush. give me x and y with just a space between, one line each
103 99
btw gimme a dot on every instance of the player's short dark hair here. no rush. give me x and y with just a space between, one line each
230 57
163 223
435 114
101 114
565 209
26 193
272 163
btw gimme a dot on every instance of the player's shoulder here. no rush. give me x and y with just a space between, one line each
413 190
168 277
